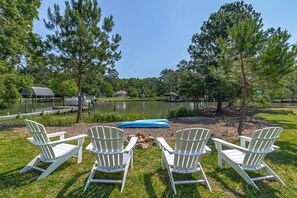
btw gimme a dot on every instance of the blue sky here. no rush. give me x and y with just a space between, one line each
156 33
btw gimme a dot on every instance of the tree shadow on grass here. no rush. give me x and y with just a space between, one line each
272 111
183 190
287 154
94 189
101 190
14 178
286 124
265 190
148 184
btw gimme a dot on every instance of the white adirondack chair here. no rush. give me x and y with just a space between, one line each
190 144
107 144
55 152
243 159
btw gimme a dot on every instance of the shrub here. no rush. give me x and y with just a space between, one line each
114 117
182 112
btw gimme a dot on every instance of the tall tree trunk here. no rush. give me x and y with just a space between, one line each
244 97
220 102
205 102
80 95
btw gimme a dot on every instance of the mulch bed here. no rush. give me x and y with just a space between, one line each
224 128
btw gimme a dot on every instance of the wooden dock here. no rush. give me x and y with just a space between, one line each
57 110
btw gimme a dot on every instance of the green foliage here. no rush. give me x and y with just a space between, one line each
55 120
16 19
205 49
192 85
10 87
62 88
251 58
182 112
262 100
35 61
114 117
107 89
170 80
132 92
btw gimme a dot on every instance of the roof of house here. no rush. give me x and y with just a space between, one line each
170 94
38 91
121 92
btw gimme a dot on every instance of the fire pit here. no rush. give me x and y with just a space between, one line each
143 142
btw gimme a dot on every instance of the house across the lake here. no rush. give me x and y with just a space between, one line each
38 93
172 97
121 94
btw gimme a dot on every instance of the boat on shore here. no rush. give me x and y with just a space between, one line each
150 123
74 102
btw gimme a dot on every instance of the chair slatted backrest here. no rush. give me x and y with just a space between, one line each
40 139
189 145
260 145
108 145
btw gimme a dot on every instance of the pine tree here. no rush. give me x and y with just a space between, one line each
81 45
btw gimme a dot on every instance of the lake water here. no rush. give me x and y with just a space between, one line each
150 107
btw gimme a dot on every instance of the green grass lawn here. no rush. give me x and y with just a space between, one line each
146 178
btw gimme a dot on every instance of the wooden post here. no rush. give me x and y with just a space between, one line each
26 103
19 114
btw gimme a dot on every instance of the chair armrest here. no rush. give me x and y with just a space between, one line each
68 139
207 149
164 144
61 134
89 147
247 139
243 140
275 147
131 144
230 145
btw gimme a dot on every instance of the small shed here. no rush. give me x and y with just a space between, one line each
172 97
121 94
38 92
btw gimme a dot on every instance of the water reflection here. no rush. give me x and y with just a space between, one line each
150 107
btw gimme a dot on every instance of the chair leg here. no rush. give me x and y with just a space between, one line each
125 176
242 173
79 151
170 177
34 162
269 171
219 148
55 165
202 174
91 175
79 155
132 158
163 157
